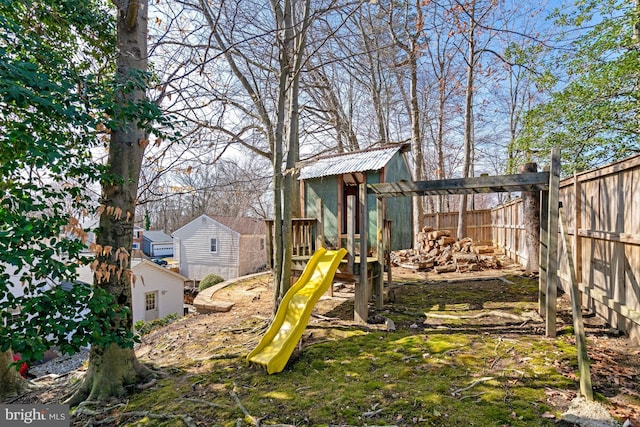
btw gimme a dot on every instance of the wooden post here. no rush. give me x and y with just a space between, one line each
361 305
544 246
576 308
379 285
351 232
552 250
531 221
319 224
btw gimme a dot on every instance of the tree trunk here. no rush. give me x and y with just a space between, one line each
113 367
416 141
11 382
468 124
531 221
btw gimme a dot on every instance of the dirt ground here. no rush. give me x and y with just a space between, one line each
615 367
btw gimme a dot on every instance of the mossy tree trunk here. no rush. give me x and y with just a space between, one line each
111 366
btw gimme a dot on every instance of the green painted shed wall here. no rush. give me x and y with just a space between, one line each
326 189
399 209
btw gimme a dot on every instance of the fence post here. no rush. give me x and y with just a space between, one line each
531 221
552 250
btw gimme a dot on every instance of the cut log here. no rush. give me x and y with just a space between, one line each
464 258
482 249
448 268
446 241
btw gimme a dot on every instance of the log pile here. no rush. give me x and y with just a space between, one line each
436 250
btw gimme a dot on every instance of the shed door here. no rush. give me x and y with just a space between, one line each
350 190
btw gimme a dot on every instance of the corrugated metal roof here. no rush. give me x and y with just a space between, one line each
360 161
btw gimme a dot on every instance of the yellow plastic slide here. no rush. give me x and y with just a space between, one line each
294 312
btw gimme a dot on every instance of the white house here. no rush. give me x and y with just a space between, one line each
156 293
156 243
227 246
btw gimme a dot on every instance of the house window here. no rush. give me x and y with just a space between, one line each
150 301
214 246
135 246
262 244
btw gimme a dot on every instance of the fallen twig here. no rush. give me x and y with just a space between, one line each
204 402
473 384
255 421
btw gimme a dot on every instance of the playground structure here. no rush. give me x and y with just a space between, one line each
308 232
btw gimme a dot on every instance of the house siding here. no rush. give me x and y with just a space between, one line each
252 257
151 278
196 259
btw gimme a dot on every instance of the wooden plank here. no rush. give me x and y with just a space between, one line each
577 223
622 165
611 236
379 285
351 232
632 253
361 304
601 297
552 249
578 324
480 184
319 224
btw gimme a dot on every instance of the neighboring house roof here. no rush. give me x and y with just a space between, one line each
357 161
156 236
241 225
86 275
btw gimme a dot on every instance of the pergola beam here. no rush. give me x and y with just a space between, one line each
536 181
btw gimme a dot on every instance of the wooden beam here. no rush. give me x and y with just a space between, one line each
319 224
379 285
552 249
481 184
576 307
361 304
351 231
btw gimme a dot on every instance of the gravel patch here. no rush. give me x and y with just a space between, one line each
60 365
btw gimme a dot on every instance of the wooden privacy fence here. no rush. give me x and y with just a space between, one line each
479 226
603 221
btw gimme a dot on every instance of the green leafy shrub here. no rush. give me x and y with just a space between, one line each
208 281
143 328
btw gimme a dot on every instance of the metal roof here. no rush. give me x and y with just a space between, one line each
339 164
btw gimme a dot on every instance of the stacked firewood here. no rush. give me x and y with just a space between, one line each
436 250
